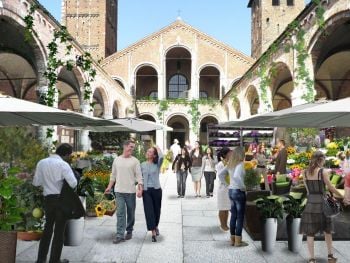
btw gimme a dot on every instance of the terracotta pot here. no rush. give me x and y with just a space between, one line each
8 244
29 236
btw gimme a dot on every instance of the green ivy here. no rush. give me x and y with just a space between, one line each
163 106
320 11
61 36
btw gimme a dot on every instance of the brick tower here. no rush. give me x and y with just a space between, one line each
93 23
269 19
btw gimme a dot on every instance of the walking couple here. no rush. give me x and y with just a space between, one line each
126 170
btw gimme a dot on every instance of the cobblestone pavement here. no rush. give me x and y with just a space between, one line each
189 233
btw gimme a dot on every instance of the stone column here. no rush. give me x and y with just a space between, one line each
84 143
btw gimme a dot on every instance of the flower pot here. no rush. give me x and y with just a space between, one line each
8 244
29 235
295 239
74 232
269 234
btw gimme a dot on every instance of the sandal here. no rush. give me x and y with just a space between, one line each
312 260
331 258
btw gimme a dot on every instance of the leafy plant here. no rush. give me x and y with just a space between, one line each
10 210
251 178
30 198
293 207
86 187
269 207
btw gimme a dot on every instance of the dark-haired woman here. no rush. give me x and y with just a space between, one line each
196 169
208 169
313 220
152 192
182 165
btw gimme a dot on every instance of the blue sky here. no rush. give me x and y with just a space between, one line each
226 20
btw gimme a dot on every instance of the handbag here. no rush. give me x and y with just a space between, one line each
331 206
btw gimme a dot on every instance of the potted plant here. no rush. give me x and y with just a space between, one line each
270 209
10 214
294 208
32 201
252 178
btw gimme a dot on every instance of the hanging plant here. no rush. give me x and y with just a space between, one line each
29 21
195 114
320 11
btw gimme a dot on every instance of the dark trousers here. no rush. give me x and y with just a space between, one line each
238 201
152 202
209 182
55 222
181 177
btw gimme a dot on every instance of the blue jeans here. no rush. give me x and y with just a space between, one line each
181 177
126 204
238 200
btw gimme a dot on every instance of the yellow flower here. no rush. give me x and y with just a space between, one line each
332 145
291 150
248 165
100 211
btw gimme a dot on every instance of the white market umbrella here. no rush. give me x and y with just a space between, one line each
331 114
17 112
129 125
271 119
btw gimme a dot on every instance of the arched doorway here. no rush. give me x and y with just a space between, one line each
209 83
178 73
281 86
331 61
203 136
150 136
146 83
253 100
180 131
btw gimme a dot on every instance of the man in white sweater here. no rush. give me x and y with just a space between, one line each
126 172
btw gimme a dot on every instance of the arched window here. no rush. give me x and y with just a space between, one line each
290 2
178 87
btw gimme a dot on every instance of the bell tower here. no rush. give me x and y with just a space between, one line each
269 19
93 23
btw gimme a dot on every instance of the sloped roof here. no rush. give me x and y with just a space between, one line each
176 24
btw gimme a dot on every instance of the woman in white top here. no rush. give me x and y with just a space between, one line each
208 169
235 168
223 201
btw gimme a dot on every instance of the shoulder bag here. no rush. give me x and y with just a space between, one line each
331 206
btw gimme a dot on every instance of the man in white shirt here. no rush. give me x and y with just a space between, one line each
126 172
175 148
50 174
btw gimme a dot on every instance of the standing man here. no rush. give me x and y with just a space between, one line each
126 171
50 174
175 148
281 159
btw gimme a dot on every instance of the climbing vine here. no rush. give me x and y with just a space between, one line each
60 37
164 105
320 11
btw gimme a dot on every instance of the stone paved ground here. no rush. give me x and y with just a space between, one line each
189 233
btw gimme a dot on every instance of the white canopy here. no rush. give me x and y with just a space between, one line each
264 120
16 112
129 124
331 114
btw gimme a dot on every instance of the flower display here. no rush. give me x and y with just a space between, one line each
79 156
291 150
332 145
101 177
252 178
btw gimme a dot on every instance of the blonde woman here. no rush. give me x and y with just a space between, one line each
235 168
313 220
223 200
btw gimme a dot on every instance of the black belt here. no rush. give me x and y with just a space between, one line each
261 166
51 196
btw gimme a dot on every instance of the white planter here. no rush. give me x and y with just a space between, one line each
74 232
295 239
269 234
